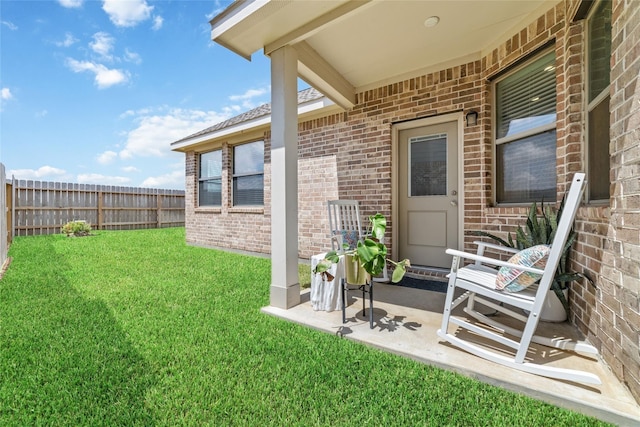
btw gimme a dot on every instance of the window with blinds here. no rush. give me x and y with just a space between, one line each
210 179
598 79
525 137
248 174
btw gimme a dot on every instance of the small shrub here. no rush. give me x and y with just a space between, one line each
77 228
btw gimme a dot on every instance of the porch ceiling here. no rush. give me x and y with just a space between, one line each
348 46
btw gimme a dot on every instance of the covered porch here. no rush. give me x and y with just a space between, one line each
345 49
390 63
405 323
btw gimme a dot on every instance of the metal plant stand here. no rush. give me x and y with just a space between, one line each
367 288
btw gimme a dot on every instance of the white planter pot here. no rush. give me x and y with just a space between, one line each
552 309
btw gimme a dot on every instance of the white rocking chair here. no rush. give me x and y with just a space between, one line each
478 280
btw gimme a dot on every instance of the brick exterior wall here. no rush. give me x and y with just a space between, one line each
348 156
617 320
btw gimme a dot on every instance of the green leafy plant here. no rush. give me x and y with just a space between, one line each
76 228
370 253
540 230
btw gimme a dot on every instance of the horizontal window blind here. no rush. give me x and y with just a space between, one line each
210 192
526 169
248 190
527 98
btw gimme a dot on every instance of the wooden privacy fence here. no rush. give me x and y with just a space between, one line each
5 215
44 207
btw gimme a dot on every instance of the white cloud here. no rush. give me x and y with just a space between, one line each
107 157
157 23
140 112
96 178
127 13
174 179
44 172
6 94
130 169
132 57
154 132
249 94
249 98
71 3
104 77
218 7
68 40
102 44
10 25
40 114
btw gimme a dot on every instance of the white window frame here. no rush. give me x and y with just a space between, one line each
235 175
209 178
522 135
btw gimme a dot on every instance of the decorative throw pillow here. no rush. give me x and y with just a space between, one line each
350 237
514 280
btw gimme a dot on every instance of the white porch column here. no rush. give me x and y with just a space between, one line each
285 288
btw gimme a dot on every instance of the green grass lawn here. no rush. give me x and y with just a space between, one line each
136 328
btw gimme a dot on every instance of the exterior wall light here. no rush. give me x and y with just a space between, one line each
471 118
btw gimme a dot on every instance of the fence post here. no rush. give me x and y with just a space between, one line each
100 219
159 211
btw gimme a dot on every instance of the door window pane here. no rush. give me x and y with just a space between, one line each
428 165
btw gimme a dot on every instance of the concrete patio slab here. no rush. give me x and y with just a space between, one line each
406 321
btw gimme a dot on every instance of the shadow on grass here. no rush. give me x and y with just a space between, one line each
64 359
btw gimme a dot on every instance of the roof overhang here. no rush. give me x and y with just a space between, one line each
253 128
345 47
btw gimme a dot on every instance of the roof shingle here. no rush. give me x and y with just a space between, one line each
306 95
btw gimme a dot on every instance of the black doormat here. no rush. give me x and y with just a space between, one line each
427 285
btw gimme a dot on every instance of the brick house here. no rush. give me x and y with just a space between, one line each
504 101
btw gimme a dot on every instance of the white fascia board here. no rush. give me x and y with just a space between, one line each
235 14
221 133
303 109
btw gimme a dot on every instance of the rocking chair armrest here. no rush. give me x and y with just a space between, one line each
495 247
491 261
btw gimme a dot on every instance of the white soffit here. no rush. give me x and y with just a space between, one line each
246 26
361 44
390 38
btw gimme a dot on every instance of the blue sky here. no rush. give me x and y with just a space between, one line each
95 91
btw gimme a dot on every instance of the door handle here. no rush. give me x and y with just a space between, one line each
454 203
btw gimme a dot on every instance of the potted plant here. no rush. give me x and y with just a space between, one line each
540 230
368 259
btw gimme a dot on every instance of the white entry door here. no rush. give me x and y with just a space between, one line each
428 194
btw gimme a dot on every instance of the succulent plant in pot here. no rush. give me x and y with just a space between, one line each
540 230
369 255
